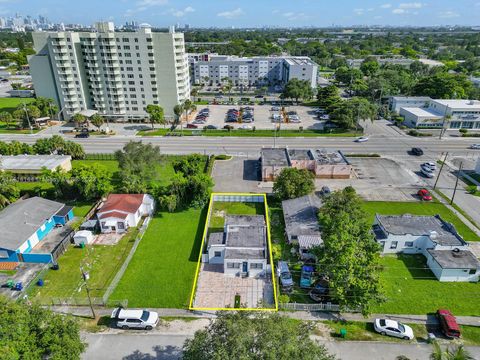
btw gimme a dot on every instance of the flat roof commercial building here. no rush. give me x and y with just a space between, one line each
324 164
258 70
115 73
34 164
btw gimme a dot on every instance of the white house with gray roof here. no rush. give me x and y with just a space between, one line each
241 247
447 253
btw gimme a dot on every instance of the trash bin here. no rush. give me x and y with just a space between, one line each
40 282
10 284
82 245
343 333
18 286
55 267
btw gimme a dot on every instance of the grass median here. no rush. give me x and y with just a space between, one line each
247 133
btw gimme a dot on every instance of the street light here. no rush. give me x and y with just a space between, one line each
28 118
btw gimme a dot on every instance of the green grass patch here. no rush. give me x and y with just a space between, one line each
411 288
179 318
470 335
110 165
419 208
10 104
8 272
101 261
81 208
221 209
364 331
250 133
162 270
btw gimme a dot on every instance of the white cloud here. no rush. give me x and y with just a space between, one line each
448 14
415 5
182 13
398 11
359 11
231 14
295 16
386 6
378 17
143 5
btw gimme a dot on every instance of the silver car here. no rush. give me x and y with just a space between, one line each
393 328
134 319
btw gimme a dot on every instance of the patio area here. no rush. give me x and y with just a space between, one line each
216 290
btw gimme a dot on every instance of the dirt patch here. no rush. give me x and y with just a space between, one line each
108 239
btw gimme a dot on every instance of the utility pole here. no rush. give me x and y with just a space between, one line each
456 182
444 123
85 277
440 171
28 119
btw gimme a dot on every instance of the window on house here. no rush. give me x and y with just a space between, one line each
472 271
256 266
408 243
393 245
217 254
231 265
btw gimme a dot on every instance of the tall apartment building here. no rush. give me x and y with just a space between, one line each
272 70
116 74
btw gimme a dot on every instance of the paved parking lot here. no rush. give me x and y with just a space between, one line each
262 116
215 290
376 179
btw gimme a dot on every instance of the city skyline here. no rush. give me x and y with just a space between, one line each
162 13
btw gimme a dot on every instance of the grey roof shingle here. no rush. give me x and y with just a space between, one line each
23 218
242 254
455 259
245 236
300 215
216 238
420 225
274 157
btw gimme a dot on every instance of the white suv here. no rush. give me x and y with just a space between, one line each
135 319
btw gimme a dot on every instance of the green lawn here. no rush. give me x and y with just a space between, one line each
162 270
411 288
29 186
110 165
101 261
10 104
419 208
249 133
220 209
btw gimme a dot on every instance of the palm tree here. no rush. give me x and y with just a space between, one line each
437 353
187 107
194 93
458 353
178 110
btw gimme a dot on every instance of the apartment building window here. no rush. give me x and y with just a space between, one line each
134 108
144 103
128 62
130 76
150 54
155 101
126 47
142 89
131 89
138 54
141 82
393 244
151 61
152 69
134 102
131 83
121 69
119 47
121 61
128 108
149 47
143 96
128 55
136 39
153 82
140 76
118 39
149 39
152 75
133 96
154 95
125 40
137 47
129 68
139 62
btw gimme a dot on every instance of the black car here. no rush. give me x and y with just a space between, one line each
320 290
417 151
83 134
210 127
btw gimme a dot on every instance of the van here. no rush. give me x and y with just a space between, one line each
284 275
448 323
134 319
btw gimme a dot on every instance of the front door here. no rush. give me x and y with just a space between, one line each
114 228
245 267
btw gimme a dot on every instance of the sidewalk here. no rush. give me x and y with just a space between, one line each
300 315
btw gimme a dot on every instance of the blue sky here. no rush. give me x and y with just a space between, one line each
227 13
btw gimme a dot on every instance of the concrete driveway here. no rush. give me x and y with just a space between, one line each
238 175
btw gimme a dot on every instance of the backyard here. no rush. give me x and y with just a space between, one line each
101 261
220 209
411 288
162 270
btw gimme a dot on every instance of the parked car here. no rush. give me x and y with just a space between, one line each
424 195
320 290
192 126
448 324
134 319
275 108
306 277
361 139
417 151
211 127
427 172
475 146
246 127
284 275
393 328
83 134
324 117
228 127
430 165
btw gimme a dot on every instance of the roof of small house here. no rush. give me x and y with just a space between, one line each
245 236
20 220
244 254
128 203
435 227
274 157
455 259
300 215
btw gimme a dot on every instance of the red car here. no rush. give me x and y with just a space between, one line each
192 126
448 324
424 195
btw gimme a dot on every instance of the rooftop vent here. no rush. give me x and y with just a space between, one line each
433 235
457 253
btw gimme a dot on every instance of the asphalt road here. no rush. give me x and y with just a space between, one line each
250 146
154 346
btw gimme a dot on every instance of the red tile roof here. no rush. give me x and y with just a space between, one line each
8 265
114 214
128 203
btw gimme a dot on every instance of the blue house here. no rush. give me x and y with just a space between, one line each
23 226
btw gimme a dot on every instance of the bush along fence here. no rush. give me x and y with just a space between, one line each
99 156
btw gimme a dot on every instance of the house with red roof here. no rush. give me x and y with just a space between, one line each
121 211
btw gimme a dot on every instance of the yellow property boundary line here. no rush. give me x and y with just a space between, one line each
205 230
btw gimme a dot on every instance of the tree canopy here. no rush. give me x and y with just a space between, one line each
32 332
298 90
350 255
156 114
9 191
347 113
292 183
241 335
